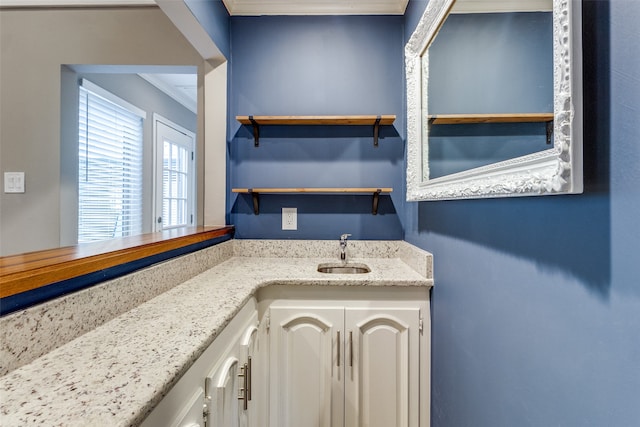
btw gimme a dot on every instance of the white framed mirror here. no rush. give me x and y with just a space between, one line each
508 121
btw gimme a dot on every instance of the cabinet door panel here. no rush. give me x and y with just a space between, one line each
252 353
381 388
306 383
191 415
223 387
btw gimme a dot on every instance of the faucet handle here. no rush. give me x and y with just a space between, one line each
343 246
344 237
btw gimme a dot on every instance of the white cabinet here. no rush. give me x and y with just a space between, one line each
349 363
253 353
208 393
221 390
233 390
382 373
302 357
306 366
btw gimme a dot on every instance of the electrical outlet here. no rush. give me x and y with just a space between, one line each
289 218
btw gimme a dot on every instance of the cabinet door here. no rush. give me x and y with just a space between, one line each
252 355
191 414
382 372
223 387
211 385
306 366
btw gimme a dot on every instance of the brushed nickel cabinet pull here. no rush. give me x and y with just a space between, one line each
338 339
243 390
250 380
350 348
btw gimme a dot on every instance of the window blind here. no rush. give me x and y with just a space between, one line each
110 168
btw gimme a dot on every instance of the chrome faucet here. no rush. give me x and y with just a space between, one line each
343 246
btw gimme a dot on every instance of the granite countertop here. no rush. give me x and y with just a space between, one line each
117 373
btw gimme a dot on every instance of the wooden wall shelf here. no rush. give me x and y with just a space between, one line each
316 120
255 193
375 121
461 119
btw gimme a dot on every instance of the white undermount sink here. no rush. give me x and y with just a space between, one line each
343 268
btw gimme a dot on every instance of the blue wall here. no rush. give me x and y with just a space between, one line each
536 308
326 65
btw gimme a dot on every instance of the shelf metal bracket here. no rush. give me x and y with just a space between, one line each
376 131
256 201
549 131
376 200
256 132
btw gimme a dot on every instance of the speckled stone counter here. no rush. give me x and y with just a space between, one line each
118 372
28 334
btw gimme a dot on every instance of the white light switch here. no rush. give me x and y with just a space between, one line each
14 182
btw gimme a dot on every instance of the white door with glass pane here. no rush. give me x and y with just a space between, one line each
175 175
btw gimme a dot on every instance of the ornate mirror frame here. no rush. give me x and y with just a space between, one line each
557 170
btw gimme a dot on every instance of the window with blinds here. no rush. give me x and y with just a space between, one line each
110 166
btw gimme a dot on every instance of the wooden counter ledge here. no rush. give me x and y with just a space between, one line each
24 272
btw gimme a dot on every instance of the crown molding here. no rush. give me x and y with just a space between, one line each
172 91
500 6
296 7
